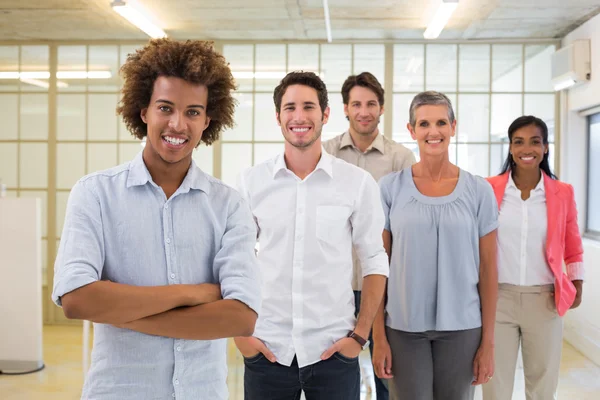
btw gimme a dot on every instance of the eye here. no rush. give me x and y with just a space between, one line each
442 123
194 113
164 108
423 124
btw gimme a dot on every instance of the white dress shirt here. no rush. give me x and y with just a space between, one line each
522 231
306 230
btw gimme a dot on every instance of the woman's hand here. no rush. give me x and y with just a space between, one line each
382 359
483 365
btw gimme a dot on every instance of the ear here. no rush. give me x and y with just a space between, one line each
412 131
206 123
278 119
325 117
453 128
346 109
143 114
381 112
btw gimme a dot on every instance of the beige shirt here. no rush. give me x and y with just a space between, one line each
382 157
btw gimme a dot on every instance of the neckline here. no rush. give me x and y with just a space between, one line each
438 199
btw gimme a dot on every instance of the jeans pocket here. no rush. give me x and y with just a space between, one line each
344 359
253 359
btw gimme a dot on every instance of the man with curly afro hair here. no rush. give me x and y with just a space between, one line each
158 254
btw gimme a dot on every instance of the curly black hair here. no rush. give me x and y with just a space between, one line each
194 61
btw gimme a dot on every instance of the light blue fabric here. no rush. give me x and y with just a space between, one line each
119 226
434 269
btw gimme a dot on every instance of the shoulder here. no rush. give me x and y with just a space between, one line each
332 145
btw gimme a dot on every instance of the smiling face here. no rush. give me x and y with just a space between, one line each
527 147
300 116
363 111
175 118
433 129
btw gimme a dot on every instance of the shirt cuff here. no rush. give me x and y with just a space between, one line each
376 266
68 284
576 271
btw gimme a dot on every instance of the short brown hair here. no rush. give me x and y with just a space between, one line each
366 80
194 61
309 79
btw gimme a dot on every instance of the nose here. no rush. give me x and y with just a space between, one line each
176 122
299 114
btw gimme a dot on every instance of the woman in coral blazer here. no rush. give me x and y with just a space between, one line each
537 232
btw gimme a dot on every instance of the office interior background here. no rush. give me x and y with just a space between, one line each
59 87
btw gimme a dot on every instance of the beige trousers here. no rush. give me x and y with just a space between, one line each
526 315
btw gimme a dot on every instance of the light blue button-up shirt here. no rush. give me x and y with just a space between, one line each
119 226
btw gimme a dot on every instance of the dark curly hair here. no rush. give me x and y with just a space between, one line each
194 61
309 79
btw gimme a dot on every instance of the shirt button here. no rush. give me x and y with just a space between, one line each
166 206
173 276
177 381
168 240
178 348
173 395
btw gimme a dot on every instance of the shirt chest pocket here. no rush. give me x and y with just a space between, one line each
333 223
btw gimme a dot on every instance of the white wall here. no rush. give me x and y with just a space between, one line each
582 326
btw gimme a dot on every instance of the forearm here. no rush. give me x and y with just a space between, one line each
488 293
379 321
371 298
116 303
216 320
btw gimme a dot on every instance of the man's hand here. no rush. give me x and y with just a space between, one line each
251 346
382 359
347 347
579 286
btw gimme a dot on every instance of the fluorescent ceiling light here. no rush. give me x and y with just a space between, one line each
327 20
440 19
138 19
564 84
59 75
44 84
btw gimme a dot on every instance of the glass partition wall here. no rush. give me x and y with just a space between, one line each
58 100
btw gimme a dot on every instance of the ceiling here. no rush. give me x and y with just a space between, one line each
293 19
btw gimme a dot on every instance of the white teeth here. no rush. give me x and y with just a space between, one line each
174 141
526 158
434 141
300 130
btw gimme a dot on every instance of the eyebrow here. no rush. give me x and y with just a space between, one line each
291 103
172 104
532 137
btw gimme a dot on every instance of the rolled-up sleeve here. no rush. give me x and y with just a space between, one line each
367 226
80 257
235 264
487 208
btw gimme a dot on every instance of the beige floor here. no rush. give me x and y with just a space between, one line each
63 376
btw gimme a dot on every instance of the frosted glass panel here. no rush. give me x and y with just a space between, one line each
474 158
235 158
266 151
505 109
542 106
34 116
9 115
104 59
34 59
473 117
70 164
8 164
441 67
370 58
243 119
401 117
499 153
538 73
303 57
241 62
70 117
102 117
409 67
270 66
203 156
33 165
43 196
265 121
336 65
338 123
128 151
9 62
507 68
593 211
70 59
474 68
101 157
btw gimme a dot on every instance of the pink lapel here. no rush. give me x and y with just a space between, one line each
553 209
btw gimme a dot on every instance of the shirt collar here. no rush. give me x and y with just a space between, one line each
139 176
378 143
325 163
538 188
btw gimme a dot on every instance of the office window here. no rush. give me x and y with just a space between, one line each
593 191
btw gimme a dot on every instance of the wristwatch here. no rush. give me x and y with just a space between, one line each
362 341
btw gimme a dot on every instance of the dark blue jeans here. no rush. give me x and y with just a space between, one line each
381 385
337 378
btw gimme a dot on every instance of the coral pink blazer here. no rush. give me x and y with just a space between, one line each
563 240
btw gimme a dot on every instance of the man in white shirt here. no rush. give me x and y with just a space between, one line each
311 209
364 146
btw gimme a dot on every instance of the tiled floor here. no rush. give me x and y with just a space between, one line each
63 376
